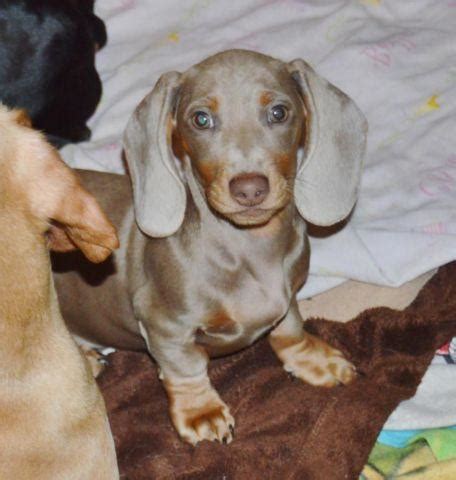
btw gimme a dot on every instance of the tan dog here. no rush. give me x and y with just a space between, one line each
53 423
227 160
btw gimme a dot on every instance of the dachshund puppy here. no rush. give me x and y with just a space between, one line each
47 55
53 418
227 160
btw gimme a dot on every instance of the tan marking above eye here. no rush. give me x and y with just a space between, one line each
266 98
213 104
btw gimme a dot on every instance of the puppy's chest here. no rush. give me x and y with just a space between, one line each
242 299
256 296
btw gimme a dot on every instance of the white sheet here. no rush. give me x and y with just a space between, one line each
396 59
433 405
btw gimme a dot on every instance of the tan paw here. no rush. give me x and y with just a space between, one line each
313 361
198 413
96 360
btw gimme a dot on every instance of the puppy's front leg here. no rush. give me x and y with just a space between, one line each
197 411
307 357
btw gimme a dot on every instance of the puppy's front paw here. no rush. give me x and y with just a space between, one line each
313 361
198 413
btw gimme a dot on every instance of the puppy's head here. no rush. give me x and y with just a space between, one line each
49 192
239 121
255 132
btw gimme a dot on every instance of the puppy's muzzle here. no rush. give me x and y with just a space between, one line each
249 190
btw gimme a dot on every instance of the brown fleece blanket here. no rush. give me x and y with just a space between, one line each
285 429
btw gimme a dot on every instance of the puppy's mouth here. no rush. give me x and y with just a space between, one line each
251 216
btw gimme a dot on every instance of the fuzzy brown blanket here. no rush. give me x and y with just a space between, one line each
285 429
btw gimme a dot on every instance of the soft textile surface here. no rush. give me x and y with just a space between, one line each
395 58
428 456
285 428
346 301
434 404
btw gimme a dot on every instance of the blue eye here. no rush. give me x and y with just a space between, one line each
278 114
202 120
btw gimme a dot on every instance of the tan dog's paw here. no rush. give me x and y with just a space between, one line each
96 360
313 361
198 413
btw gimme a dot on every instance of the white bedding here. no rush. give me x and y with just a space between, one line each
396 59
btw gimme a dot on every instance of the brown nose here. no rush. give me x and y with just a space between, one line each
250 189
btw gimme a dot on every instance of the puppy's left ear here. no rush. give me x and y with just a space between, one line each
55 194
328 177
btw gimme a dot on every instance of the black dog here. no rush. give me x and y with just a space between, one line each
47 64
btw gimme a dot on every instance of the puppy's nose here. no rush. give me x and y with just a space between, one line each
249 189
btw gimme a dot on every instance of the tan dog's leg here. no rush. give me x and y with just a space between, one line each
307 357
196 409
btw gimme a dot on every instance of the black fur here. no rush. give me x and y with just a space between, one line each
47 63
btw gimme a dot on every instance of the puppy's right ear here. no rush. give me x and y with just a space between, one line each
159 194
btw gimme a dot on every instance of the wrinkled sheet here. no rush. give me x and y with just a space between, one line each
397 60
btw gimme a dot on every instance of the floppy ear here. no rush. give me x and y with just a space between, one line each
328 177
80 222
159 194
55 193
